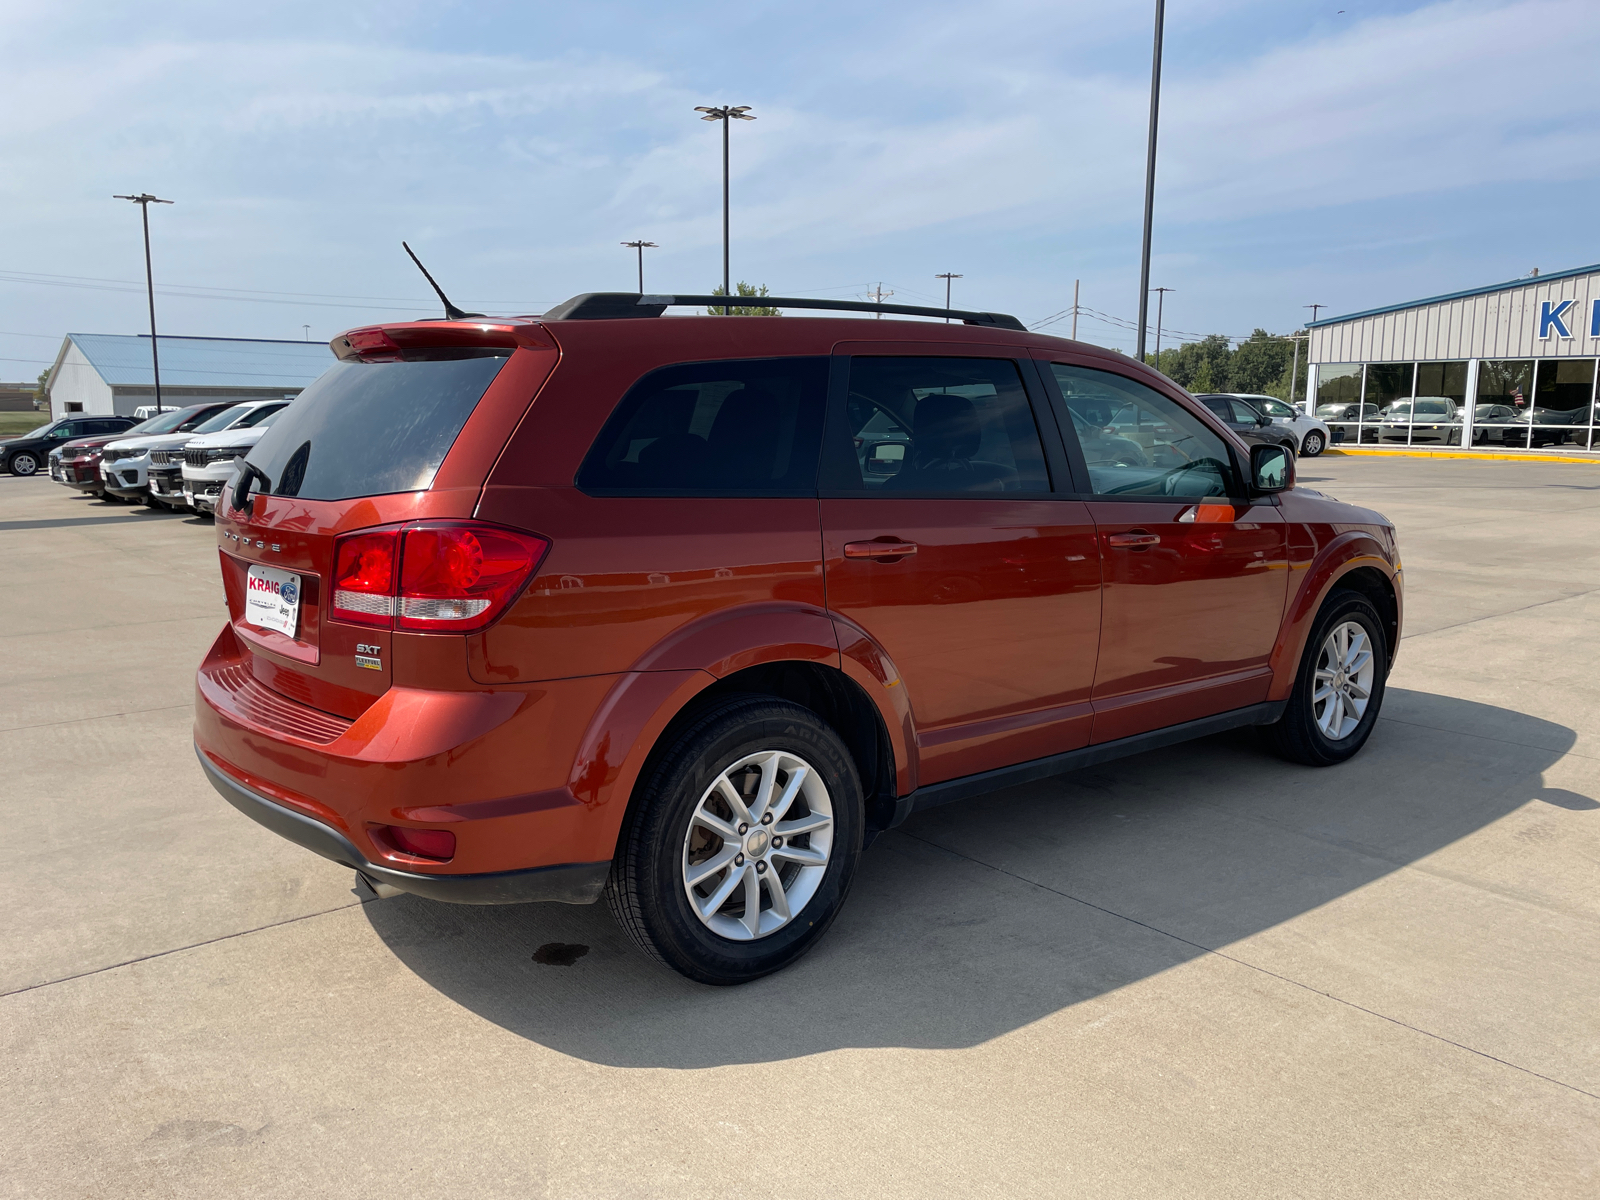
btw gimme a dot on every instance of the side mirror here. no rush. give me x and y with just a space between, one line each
1263 420
886 458
1271 469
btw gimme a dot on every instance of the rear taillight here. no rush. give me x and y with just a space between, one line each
363 578
446 576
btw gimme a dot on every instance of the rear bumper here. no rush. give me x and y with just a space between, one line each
566 883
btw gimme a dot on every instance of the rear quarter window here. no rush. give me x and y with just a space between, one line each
371 429
747 427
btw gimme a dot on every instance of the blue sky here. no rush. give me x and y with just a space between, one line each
1383 153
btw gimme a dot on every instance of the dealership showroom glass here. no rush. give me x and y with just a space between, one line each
1524 352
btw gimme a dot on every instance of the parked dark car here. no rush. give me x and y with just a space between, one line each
604 605
26 455
1249 422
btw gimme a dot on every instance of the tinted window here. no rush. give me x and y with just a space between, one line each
256 416
936 426
368 429
1244 412
1138 442
195 421
746 427
223 419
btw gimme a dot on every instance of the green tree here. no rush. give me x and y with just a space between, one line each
1259 362
744 289
39 392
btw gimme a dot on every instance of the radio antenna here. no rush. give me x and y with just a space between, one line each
451 312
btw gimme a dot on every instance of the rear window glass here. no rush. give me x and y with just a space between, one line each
749 427
369 429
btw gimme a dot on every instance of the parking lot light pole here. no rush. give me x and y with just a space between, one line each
739 112
1150 178
641 247
144 200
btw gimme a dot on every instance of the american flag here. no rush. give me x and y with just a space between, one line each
1516 397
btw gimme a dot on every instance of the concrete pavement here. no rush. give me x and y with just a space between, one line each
1202 972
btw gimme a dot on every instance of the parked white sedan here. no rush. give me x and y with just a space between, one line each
1311 436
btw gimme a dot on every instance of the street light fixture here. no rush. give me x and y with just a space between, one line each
641 247
947 277
144 200
738 112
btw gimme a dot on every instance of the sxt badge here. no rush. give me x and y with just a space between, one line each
367 656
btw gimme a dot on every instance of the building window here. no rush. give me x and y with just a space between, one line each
1504 388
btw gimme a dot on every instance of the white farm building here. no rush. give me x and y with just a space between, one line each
107 374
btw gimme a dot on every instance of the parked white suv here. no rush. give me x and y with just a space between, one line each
210 459
167 458
124 464
1311 435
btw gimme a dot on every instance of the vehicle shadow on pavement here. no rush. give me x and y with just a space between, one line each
973 920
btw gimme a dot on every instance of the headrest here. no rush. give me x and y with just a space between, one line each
946 428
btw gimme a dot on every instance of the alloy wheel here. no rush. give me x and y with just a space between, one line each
1312 446
24 464
1343 685
758 845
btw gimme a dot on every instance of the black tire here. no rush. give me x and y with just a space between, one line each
1296 735
23 462
646 891
1312 445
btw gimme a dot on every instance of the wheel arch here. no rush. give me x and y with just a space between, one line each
1355 561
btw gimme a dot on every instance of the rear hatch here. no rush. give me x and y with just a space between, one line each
391 446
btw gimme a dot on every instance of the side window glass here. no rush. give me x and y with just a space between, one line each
937 426
748 427
1138 442
1244 412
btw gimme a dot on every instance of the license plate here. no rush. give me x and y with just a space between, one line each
272 599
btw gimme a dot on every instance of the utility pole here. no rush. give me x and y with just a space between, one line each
1294 371
878 296
947 277
1160 305
1150 177
307 328
144 200
1314 308
641 247
1075 283
739 112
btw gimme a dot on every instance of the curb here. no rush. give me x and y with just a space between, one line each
1466 454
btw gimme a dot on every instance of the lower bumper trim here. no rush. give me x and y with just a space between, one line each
566 883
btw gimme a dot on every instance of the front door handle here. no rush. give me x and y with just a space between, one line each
880 550
1134 539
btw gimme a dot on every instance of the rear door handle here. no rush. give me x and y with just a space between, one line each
1134 539
879 549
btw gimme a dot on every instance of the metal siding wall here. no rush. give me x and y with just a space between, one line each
1492 325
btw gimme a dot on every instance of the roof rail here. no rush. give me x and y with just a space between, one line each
610 306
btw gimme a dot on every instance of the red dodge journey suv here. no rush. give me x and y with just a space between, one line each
683 611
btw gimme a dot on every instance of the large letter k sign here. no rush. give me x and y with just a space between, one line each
1550 318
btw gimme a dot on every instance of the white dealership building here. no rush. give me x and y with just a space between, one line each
1523 353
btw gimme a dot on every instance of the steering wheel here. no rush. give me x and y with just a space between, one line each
1172 482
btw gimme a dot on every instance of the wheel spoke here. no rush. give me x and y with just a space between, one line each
801 854
728 792
790 791
699 872
1329 721
717 825
1357 691
752 900
780 898
809 823
1321 694
710 905
769 780
1356 649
